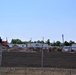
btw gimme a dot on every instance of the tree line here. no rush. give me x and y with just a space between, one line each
55 43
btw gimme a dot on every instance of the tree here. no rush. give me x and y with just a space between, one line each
13 41
16 41
24 42
40 41
35 42
53 44
71 42
66 43
58 43
48 42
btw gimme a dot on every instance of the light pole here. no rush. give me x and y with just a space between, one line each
62 41
63 38
42 55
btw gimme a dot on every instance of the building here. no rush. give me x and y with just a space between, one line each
30 45
37 45
18 45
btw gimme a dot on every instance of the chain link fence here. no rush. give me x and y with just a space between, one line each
0 54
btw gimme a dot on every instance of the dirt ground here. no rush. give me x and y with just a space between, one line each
27 63
36 71
30 49
24 59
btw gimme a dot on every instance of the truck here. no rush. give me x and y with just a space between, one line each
73 47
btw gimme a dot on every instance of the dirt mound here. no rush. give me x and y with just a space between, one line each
55 49
14 49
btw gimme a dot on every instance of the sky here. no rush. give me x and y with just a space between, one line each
25 19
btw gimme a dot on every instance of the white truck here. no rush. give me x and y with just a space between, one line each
66 49
73 47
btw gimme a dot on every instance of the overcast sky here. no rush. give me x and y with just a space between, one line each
25 19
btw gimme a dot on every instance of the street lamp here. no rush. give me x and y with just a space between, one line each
62 41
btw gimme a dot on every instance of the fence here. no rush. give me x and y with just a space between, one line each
13 59
0 54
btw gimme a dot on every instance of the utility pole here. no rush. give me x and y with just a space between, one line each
63 38
42 56
62 41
